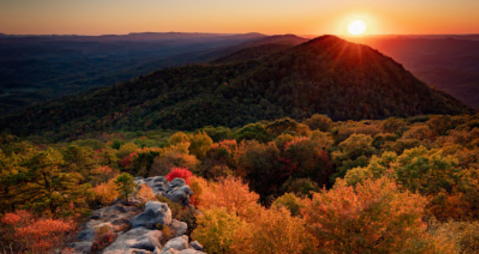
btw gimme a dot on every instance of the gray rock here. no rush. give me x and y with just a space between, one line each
179 228
190 251
179 192
155 213
117 215
81 247
177 243
86 235
141 240
170 251
196 245
149 241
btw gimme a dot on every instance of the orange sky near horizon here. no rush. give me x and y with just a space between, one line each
302 17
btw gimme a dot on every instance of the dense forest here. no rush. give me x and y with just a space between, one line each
326 75
40 68
449 63
400 185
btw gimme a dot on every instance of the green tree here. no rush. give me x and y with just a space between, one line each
37 181
125 184
353 152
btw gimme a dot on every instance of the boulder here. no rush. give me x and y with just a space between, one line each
137 239
190 251
115 218
196 245
81 247
179 192
86 235
158 184
179 228
177 243
170 251
118 215
155 213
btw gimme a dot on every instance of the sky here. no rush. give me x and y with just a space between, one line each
302 17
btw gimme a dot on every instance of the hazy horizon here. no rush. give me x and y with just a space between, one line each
302 17
227 33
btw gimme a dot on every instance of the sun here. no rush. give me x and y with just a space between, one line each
357 27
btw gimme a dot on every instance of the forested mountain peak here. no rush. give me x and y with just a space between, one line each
326 75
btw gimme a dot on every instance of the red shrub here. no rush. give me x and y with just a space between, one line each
183 173
37 235
126 161
104 237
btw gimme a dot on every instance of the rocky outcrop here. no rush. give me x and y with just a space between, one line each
155 213
138 239
179 245
178 228
177 190
115 218
159 184
196 245
137 228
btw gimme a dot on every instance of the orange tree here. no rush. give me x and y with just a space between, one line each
374 217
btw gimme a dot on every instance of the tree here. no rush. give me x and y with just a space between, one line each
125 184
80 159
126 149
200 143
252 131
37 181
216 230
219 160
373 217
273 231
173 157
319 122
260 165
106 193
290 202
287 125
353 152
178 138
304 158
232 194
427 172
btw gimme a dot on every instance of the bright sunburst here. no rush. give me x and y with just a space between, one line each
357 27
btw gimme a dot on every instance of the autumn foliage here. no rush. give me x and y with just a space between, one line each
373 217
106 193
145 193
182 173
36 235
230 193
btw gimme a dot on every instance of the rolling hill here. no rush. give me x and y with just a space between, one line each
449 63
41 68
326 75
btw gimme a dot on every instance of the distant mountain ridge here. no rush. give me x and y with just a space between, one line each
40 68
146 36
326 75
449 63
